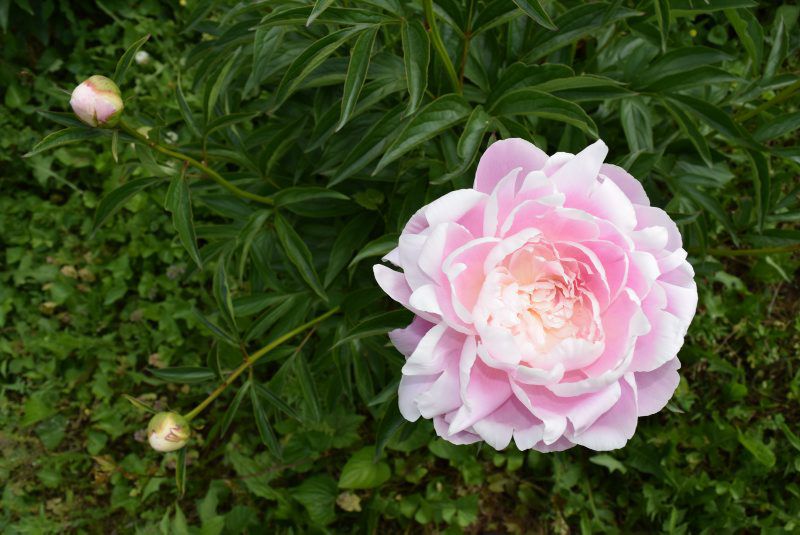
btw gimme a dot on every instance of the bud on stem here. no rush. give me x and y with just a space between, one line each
168 431
97 102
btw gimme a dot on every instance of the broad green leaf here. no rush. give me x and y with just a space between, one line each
356 73
227 120
233 408
184 374
319 7
750 34
317 494
222 294
265 322
299 255
470 140
568 83
305 63
778 126
265 431
689 128
376 324
416 57
186 111
716 119
302 194
662 14
178 201
760 451
215 330
609 462
180 483
372 145
117 198
349 240
762 184
678 62
63 137
441 114
307 386
126 59
534 9
331 15
362 472
272 399
691 8
219 85
539 104
389 424
710 205
698 76
637 124
377 247
520 75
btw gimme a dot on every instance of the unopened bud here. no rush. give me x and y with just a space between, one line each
97 102
141 57
168 431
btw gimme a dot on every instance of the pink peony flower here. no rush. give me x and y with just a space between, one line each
97 101
551 301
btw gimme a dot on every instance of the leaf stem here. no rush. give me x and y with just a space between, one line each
252 359
215 176
785 94
748 252
438 44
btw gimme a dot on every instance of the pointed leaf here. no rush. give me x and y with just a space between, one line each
178 201
356 73
299 255
117 198
416 58
64 137
540 104
126 59
534 9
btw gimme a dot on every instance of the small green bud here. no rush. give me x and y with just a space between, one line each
168 431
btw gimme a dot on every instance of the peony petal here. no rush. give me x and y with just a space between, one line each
579 174
406 340
655 388
441 426
487 390
411 386
503 156
614 428
630 186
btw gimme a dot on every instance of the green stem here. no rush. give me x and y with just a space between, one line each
213 175
438 44
252 359
748 252
785 94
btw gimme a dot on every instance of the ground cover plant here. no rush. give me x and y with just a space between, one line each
319 129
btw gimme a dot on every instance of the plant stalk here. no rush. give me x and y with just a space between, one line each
438 44
252 359
213 175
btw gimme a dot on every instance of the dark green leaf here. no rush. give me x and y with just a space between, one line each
184 374
272 399
351 237
760 451
376 324
416 57
319 7
178 201
441 114
636 124
268 437
662 14
377 247
64 137
307 385
356 73
534 9
126 59
233 408
389 424
180 476
299 255
689 128
116 199
222 294
537 103
362 472
304 194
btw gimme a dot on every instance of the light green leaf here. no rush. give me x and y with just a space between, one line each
116 199
637 124
760 451
361 472
64 137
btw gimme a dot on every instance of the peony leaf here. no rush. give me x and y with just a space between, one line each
178 201
416 57
265 431
441 114
117 198
356 73
64 137
539 104
299 255
534 9
126 59
188 375
362 472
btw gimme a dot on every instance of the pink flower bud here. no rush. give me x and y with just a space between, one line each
97 102
168 431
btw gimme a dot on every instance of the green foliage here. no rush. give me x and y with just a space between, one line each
338 120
